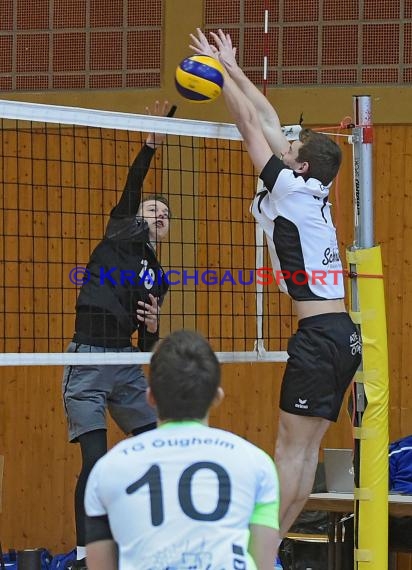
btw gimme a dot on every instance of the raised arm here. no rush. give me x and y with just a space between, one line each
268 118
130 199
246 119
241 108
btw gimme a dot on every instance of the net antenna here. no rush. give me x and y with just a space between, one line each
292 133
62 170
259 237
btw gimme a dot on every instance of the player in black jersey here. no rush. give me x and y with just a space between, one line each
123 292
294 212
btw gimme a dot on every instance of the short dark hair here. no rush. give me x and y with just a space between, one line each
184 376
321 153
160 198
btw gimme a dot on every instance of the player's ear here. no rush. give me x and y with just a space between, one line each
217 400
303 168
150 398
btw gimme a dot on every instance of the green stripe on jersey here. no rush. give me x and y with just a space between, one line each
266 514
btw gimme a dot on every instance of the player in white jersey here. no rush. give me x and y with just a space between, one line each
294 212
184 496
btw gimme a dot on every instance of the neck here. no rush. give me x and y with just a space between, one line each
204 421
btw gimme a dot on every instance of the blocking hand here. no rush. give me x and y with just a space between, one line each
158 110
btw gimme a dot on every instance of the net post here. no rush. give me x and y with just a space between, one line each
363 138
371 384
363 205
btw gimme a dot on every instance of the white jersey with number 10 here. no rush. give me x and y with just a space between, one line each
182 497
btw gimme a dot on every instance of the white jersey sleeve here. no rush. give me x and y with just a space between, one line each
95 506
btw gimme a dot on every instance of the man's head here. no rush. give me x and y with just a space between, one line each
184 377
155 210
314 155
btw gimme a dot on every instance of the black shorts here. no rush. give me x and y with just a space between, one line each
324 355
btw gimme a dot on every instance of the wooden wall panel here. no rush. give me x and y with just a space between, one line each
40 466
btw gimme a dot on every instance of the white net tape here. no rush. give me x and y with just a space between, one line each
119 358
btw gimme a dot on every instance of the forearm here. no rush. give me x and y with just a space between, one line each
245 116
130 199
240 107
266 113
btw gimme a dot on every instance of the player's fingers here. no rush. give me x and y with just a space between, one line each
156 108
145 316
200 34
153 300
222 35
195 39
199 39
196 50
218 43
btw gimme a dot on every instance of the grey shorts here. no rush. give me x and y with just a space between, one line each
88 390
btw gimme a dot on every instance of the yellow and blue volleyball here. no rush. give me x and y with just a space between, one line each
199 78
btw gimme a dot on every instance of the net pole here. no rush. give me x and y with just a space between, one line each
363 211
363 171
371 381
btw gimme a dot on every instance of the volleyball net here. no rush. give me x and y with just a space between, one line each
62 171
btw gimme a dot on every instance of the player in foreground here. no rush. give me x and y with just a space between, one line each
184 495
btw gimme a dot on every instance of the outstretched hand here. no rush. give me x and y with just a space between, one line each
201 46
227 53
158 110
223 51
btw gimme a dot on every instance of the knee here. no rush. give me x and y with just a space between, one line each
286 450
296 449
93 447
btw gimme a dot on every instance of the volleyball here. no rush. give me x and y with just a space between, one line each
199 78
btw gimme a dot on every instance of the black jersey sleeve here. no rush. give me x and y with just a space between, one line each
98 528
132 193
271 171
146 339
